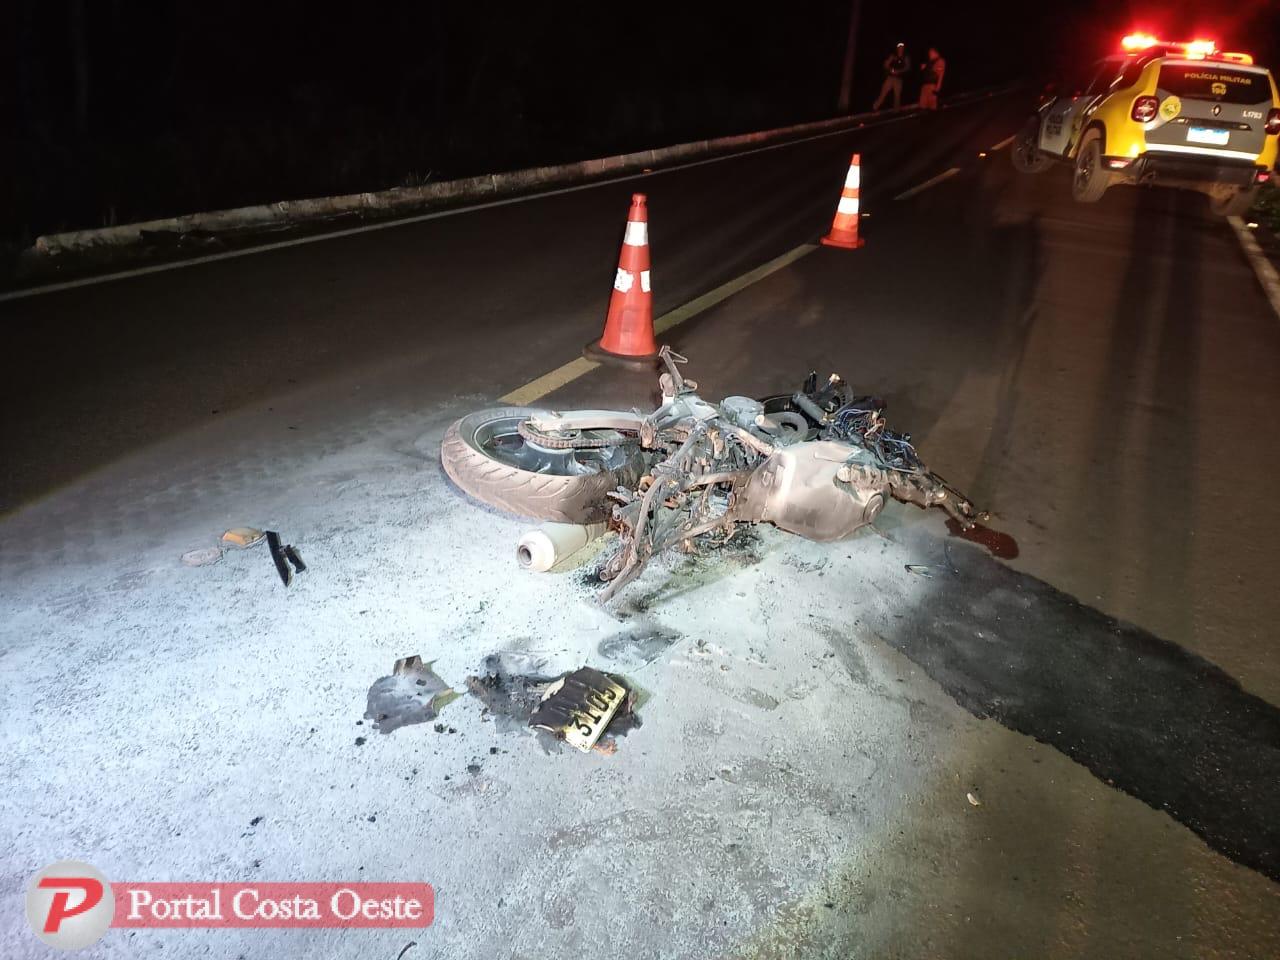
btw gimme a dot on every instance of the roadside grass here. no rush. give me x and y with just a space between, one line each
1266 209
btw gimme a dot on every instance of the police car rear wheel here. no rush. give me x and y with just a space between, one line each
1090 181
1025 153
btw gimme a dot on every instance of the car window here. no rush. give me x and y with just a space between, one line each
1080 80
1133 71
1102 79
1210 81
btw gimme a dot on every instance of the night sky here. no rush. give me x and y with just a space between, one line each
123 110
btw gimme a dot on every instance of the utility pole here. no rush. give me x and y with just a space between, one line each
846 74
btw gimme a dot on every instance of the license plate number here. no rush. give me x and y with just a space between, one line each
1217 138
579 707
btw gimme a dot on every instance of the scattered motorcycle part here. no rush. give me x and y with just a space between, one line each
578 708
202 557
278 557
242 538
291 554
413 693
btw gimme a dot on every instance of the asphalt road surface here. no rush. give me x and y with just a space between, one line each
1069 749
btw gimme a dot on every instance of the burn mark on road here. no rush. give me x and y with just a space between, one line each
1140 712
643 642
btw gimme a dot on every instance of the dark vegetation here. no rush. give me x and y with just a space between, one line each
125 110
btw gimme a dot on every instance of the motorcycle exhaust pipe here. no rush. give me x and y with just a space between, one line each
541 549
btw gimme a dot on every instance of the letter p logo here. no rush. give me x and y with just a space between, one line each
91 888
69 905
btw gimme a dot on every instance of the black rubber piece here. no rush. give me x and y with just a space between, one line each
292 556
277 556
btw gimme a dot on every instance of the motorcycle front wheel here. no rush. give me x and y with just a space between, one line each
486 456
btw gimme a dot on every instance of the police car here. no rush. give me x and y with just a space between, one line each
1178 114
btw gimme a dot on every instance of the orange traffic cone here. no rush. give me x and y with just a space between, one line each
844 228
628 329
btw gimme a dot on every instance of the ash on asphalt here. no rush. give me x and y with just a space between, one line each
744 548
712 560
643 642
511 698
1141 713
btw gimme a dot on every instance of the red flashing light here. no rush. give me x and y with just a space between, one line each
1139 41
1272 126
1191 49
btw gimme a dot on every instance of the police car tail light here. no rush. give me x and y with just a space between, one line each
1144 109
1273 122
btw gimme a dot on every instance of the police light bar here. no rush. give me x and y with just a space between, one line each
1140 41
1191 49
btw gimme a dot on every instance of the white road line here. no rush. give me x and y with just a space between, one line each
435 215
934 181
574 369
1263 267
1002 144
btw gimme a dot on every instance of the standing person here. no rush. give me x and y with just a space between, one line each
896 66
931 79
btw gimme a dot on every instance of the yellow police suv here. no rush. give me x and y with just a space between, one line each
1174 114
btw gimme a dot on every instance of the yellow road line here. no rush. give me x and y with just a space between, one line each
1002 144
932 181
726 290
554 380
574 369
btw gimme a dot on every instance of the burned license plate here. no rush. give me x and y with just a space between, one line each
1217 138
579 707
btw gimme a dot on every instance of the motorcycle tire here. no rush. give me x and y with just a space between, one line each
484 454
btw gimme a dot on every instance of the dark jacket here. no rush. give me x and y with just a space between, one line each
896 66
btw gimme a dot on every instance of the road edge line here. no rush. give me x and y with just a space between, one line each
568 372
1263 268
26 292
872 120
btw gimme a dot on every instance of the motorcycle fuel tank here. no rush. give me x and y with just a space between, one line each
819 489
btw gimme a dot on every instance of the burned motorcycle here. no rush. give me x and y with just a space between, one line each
819 463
